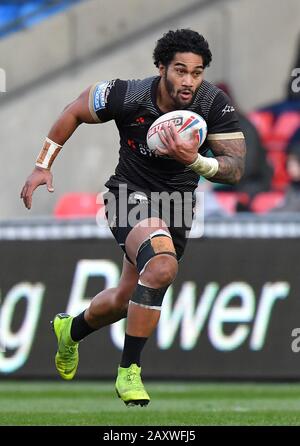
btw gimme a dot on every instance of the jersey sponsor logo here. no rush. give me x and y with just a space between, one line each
131 144
101 94
145 151
138 122
228 109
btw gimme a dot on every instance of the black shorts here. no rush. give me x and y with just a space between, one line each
124 209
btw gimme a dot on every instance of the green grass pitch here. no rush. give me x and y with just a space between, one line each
172 404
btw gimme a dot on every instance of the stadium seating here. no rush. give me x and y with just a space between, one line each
16 15
276 131
265 201
77 205
230 200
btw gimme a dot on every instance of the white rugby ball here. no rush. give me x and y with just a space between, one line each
185 122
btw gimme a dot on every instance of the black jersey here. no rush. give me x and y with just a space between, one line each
132 104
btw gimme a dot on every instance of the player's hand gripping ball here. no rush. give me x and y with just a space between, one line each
185 121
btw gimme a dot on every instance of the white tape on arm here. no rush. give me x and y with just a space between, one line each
207 167
47 155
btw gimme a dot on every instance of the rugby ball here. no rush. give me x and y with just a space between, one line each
185 122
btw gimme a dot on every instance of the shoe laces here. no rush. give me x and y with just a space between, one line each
71 349
68 357
67 352
133 377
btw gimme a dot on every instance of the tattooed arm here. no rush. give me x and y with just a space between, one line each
230 154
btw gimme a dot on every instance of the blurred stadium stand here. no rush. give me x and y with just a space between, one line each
77 205
16 15
229 200
276 132
265 201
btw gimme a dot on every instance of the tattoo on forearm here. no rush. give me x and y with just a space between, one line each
230 154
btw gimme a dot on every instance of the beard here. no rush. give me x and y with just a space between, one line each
174 95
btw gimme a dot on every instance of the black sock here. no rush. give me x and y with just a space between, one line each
80 328
133 347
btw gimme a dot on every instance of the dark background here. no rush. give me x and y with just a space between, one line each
255 262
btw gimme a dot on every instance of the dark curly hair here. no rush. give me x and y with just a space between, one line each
181 41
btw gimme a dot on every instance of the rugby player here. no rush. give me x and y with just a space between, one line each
152 246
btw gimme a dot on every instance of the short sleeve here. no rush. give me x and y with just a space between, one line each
106 99
223 122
